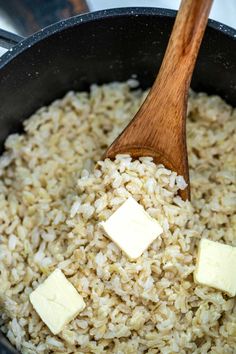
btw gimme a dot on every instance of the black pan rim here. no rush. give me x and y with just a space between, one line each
60 26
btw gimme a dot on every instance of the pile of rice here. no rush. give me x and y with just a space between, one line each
52 196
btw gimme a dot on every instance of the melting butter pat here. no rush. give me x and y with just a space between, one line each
216 266
56 301
131 228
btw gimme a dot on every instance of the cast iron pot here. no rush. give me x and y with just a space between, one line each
101 47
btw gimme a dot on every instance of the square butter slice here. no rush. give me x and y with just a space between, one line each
56 301
132 228
216 266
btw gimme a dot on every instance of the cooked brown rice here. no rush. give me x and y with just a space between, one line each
52 198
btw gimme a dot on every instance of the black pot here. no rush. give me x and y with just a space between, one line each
101 47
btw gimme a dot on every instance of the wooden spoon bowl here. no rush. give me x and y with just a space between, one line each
159 127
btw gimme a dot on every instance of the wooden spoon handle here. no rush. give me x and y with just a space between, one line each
184 43
160 123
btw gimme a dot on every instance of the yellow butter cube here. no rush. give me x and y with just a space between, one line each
216 266
132 228
56 301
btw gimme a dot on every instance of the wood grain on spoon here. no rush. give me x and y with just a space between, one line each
159 127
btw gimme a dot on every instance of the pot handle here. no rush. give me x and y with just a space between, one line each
30 16
8 39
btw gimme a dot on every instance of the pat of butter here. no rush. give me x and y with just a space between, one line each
56 301
216 266
131 228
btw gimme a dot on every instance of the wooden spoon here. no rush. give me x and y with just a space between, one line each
159 127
